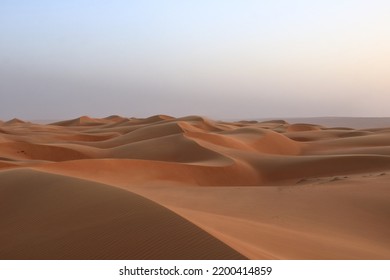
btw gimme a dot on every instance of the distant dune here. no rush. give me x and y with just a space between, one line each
195 188
350 122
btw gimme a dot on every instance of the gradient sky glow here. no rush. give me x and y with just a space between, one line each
219 58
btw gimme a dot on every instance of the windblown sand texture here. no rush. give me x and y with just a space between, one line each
193 188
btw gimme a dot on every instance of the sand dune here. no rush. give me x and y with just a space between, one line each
193 188
347 122
14 121
81 121
46 216
320 219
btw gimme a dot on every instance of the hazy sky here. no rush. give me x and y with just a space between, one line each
219 58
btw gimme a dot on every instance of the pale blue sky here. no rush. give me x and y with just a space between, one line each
221 58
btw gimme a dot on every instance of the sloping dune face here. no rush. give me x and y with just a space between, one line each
46 216
192 188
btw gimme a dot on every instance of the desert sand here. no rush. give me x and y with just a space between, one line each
193 188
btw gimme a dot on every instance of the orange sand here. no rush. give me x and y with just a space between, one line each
193 188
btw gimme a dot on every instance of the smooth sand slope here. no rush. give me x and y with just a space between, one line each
55 217
193 188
